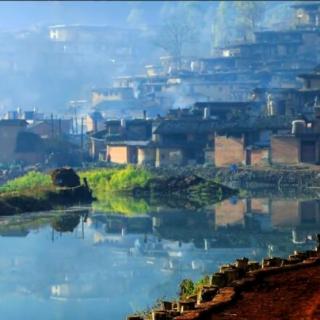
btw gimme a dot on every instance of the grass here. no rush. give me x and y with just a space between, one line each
30 182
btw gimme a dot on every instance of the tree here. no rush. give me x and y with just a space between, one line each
174 35
223 27
180 29
250 14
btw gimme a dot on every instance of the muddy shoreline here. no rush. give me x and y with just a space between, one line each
294 177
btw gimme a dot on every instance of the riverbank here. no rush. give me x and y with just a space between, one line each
276 289
42 200
253 178
36 191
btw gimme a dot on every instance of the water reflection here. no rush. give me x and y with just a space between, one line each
89 264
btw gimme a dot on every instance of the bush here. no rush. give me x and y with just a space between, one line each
106 180
186 288
128 179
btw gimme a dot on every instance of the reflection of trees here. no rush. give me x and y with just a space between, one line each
65 223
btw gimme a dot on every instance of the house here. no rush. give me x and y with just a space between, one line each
307 14
97 145
17 144
302 145
126 152
49 128
9 132
30 148
120 139
115 101
223 110
95 122
30 115
247 141
183 141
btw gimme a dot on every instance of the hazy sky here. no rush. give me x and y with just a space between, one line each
21 14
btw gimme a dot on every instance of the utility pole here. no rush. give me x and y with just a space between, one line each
52 126
82 133
60 127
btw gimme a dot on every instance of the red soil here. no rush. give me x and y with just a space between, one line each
293 295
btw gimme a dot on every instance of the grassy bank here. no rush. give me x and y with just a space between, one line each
35 192
127 190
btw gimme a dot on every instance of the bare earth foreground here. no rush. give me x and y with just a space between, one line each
293 295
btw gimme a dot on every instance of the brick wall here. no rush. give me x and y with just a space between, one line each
285 149
228 150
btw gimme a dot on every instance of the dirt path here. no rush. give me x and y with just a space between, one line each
290 296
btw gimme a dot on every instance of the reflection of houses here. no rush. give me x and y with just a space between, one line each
230 212
184 225
295 213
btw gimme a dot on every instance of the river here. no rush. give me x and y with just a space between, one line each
88 264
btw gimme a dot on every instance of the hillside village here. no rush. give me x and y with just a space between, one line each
253 103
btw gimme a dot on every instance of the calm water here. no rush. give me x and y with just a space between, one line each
93 265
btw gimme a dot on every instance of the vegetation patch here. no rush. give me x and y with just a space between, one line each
32 181
104 181
36 192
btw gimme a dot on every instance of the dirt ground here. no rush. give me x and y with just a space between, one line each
290 296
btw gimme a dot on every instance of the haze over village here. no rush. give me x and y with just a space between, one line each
159 160
142 90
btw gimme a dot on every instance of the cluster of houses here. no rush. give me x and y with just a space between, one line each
252 103
28 138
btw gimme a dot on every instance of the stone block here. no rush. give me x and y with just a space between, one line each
218 279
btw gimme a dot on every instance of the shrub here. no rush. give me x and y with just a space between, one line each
105 180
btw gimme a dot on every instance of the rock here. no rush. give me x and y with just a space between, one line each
242 264
218 279
206 294
166 305
253 265
186 305
65 177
